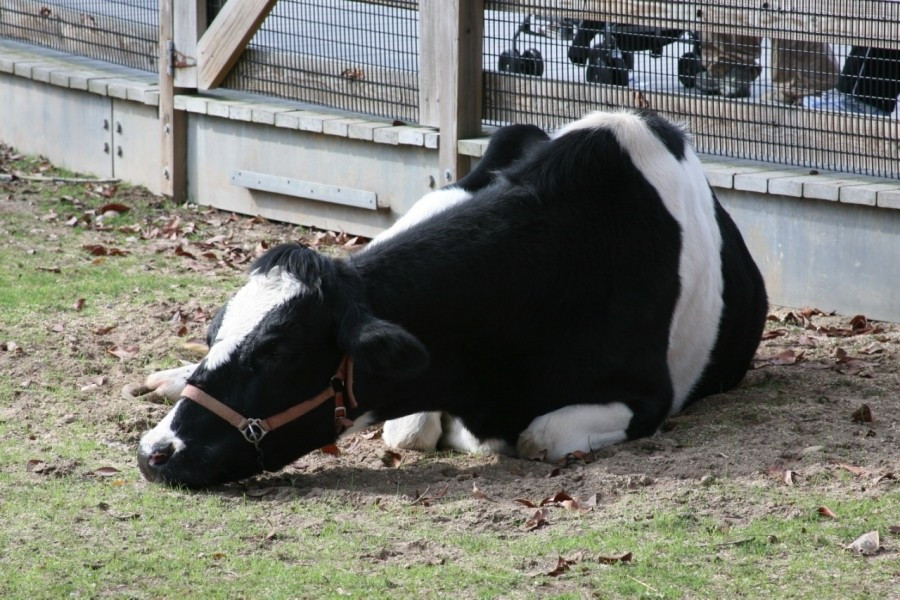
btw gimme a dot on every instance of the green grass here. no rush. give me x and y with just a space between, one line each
78 535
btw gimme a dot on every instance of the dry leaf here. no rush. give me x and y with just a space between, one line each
526 502
858 471
124 353
106 471
614 558
880 478
116 206
562 565
826 512
479 495
863 414
391 459
537 520
789 477
331 449
79 304
556 499
866 544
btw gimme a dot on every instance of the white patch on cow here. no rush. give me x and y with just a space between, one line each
361 422
169 383
246 309
429 205
584 427
685 192
459 438
419 431
162 435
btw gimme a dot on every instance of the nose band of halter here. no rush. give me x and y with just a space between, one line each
254 430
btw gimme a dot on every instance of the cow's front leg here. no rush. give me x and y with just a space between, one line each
162 385
419 431
580 427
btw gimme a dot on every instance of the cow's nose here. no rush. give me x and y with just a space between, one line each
152 458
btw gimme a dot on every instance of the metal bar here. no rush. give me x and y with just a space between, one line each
305 189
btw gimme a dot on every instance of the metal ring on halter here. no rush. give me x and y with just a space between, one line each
254 431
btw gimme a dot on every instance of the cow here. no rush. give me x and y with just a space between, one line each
589 290
423 431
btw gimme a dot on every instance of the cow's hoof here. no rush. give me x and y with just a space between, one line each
139 391
169 383
420 431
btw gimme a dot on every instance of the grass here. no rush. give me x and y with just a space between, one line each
73 530
88 536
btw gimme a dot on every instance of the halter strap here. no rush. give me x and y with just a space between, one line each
254 430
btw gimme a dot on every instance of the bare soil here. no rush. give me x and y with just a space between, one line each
820 402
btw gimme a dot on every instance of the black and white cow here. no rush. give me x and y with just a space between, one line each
591 289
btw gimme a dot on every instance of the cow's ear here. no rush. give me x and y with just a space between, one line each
386 349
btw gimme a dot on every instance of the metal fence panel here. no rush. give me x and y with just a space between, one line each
124 32
355 56
747 85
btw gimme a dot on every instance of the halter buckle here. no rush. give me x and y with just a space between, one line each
254 431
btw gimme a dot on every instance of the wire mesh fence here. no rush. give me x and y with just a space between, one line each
355 56
821 93
124 32
810 83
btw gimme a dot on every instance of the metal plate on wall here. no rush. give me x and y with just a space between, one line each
305 189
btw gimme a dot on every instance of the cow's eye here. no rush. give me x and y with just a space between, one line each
270 352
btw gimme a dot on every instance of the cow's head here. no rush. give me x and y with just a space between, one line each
277 343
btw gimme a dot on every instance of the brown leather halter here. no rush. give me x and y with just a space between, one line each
254 430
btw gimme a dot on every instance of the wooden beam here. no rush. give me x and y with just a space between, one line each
227 36
189 25
452 35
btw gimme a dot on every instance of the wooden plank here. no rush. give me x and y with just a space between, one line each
189 25
861 22
745 128
227 36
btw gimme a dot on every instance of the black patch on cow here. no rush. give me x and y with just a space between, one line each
670 135
507 145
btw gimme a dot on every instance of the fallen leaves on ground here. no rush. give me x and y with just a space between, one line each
391 459
537 520
866 544
564 564
827 512
863 414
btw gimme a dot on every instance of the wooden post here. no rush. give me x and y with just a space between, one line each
189 24
450 81
173 124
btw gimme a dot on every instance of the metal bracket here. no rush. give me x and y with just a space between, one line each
177 60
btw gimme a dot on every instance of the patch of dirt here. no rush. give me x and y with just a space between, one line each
820 408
